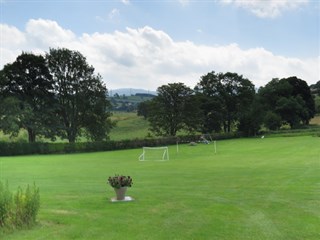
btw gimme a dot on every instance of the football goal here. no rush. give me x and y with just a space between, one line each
154 154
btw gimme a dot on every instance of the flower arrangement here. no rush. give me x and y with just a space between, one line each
119 181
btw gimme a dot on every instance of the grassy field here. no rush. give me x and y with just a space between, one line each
129 126
250 189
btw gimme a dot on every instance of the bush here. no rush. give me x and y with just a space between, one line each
26 206
20 210
24 148
5 204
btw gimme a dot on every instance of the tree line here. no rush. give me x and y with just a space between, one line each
58 94
226 102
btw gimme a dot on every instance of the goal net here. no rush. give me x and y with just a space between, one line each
154 154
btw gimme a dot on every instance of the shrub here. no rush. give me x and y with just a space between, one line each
25 148
20 210
26 206
5 204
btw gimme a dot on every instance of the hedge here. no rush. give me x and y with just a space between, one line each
23 148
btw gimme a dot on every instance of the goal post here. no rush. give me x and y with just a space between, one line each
154 154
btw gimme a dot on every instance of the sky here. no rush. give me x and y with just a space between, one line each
150 43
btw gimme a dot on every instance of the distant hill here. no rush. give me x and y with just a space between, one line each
128 99
130 92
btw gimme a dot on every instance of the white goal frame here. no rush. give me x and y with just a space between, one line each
163 157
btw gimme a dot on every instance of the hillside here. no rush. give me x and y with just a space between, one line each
129 103
129 92
129 126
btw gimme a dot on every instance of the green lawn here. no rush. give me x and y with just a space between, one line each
251 189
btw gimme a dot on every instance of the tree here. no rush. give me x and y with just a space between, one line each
143 109
251 118
95 117
81 95
315 88
211 119
170 110
211 104
301 89
272 120
291 110
238 94
27 95
226 96
288 98
10 112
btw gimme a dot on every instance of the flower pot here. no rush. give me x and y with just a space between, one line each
120 192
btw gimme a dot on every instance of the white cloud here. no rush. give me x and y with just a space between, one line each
42 33
126 2
267 8
114 14
148 58
16 38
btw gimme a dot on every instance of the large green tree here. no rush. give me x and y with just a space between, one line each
300 89
251 118
289 99
10 112
226 97
81 95
207 91
144 109
27 100
315 90
173 109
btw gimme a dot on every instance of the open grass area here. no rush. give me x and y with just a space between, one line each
129 126
250 189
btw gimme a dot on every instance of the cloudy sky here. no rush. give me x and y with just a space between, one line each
148 43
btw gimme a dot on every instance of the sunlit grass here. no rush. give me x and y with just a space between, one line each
250 189
315 120
129 126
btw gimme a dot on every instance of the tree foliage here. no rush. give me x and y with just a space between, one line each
56 95
228 102
169 111
287 98
81 96
225 98
144 109
60 95
27 95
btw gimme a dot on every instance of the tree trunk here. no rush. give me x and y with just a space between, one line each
31 135
71 136
225 127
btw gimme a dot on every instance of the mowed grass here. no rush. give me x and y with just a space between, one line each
250 189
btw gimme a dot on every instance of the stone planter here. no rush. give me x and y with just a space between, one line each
120 193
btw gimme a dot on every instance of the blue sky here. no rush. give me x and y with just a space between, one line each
149 43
